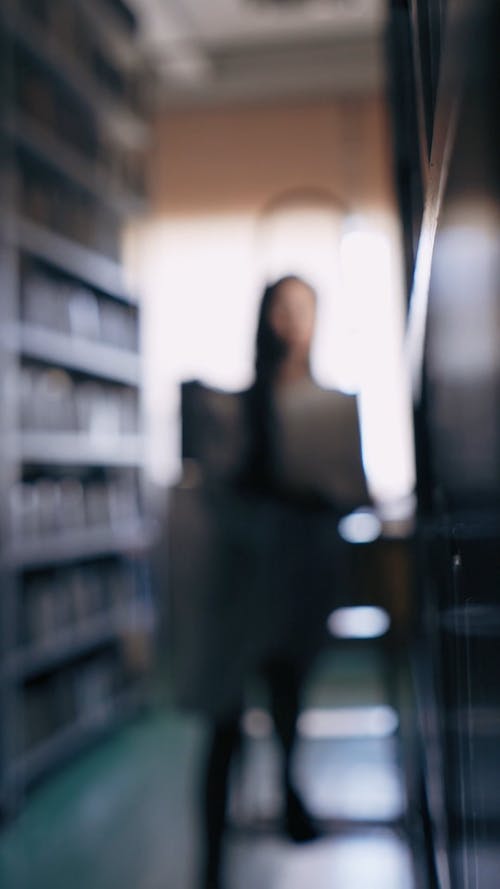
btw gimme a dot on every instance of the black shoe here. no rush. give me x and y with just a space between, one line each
211 881
212 873
299 823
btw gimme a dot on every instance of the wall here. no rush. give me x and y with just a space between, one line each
236 159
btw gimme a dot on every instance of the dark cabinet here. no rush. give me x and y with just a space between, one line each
454 348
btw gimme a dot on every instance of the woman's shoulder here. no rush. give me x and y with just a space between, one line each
309 392
332 392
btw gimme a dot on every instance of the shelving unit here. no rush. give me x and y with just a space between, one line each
449 153
71 739
50 50
35 138
71 450
79 545
73 548
65 646
54 348
85 265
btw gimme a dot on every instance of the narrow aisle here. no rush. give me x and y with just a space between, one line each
124 813
353 787
347 767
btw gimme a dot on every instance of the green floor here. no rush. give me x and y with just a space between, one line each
123 814
106 820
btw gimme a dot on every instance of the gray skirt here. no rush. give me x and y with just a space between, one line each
249 580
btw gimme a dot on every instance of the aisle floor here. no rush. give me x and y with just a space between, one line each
124 815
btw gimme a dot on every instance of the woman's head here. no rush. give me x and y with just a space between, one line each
286 325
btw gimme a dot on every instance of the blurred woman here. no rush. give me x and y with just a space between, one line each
288 620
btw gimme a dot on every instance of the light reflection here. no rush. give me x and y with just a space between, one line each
465 284
348 722
328 723
361 526
372 297
257 723
377 861
360 622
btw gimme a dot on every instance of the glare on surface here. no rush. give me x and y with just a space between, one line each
361 526
359 622
348 722
373 860
328 723
257 723
372 291
465 284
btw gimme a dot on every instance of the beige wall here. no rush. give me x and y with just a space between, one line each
237 159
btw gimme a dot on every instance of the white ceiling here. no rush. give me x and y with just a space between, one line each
237 49
242 21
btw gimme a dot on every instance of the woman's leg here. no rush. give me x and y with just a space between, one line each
224 742
284 687
285 682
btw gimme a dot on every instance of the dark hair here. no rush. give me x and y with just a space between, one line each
270 350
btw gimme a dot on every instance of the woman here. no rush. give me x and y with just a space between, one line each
289 624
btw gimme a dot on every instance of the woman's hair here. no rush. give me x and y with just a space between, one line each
270 350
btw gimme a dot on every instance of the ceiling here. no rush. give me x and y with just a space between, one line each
216 50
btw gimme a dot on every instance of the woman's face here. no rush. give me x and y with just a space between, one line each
292 315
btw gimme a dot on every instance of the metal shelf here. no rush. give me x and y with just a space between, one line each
482 722
115 36
112 113
52 151
472 621
74 737
86 356
68 645
89 90
80 262
74 449
80 545
464 525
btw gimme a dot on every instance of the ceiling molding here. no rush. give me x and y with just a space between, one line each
191 66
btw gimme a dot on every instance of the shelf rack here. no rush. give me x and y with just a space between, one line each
72 449
71 258
111 113
23 131
79 545
30 245
70 740
65 646
87 357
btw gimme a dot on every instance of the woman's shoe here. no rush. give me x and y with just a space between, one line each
299 823
211 881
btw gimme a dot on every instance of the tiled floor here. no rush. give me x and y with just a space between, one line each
123 816
377 861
